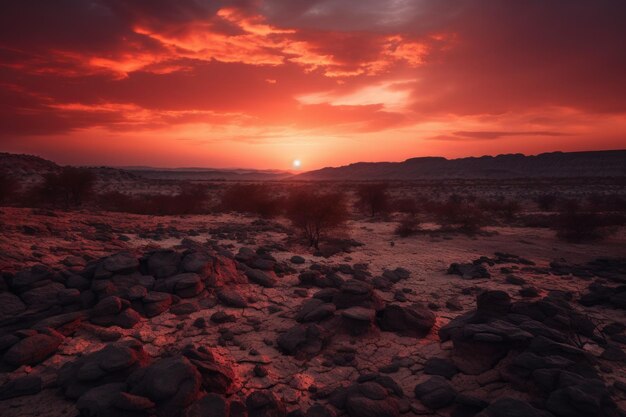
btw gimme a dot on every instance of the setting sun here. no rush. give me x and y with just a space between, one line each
296 163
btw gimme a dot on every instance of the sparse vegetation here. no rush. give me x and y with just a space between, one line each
257 199
408 226
315 213
458 213
373 198
71 187
8 187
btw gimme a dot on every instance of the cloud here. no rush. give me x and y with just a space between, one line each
454 70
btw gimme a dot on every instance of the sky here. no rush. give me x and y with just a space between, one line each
262 83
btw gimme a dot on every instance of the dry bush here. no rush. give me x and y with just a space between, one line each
315 213
578 227
501 208
192 199
8 187
459 213
257 199
373 199
408 226
71 187
576 224
405 205
546 202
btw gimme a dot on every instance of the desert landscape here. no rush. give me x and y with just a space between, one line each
312 208
505 300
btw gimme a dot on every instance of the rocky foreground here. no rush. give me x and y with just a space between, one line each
209 330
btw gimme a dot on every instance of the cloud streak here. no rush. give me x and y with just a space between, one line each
403 72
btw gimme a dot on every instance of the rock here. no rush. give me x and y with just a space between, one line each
360 314
42 297
30 278
357 319
361 406
298 260
453 304
120 263
155 303
493 303
441 367
33 349
130 402
469 271
303 340
261 278
163 263
510 407
515 280
216 377
414 321
211 405
260 371
25 385
435 393
315 310
231 298
318 410
529 292
114 363
355 293
185 285
99 401
264 404
589 398
196 262
172 383
109 306
10 305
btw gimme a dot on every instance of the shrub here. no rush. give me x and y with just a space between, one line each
192 199
8 187
408 226
459 213
251 198
573 224
405 205
502 208
315 213
71 187
546 202
373 198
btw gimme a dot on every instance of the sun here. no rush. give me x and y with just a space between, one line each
296 163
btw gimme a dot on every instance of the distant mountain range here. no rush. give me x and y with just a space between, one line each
209 174
547 165
31 169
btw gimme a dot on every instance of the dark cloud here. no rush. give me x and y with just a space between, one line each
480 57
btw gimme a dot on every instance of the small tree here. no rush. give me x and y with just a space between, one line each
373 198
8 187
70 187
316 213
251 198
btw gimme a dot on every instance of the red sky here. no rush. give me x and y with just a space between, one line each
259 83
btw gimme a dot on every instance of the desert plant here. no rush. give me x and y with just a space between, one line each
373 198
406 205
70 187
8 187
546 202
408 226
459 213
315 213
576 225
251 198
